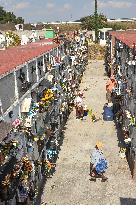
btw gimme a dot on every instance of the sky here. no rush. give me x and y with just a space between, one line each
61 10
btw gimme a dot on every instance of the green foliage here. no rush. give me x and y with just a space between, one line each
88 22
2 13
19 20
6 17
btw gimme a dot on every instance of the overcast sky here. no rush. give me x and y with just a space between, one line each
58 10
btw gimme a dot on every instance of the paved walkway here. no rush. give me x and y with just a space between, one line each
70 184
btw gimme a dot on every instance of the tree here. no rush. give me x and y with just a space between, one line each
2 14
19 20
9 17
94 22
88 22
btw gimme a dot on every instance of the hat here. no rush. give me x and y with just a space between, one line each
99 144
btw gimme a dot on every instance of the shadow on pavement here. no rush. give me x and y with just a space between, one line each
127 201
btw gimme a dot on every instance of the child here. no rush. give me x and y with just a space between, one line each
85 111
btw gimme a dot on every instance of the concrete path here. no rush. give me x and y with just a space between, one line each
70 184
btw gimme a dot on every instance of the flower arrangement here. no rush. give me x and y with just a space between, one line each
6 149
63 107
49 66
122 152
27 164
132 121
24 175
48 97
128 114
37 163
13 39
48 165
6 181
51 153
10 148
16 171
35 138
129 91
33 109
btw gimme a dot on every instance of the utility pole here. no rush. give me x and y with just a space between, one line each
96 22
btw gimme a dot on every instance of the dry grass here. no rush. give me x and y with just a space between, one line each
96 52
122 25
67 27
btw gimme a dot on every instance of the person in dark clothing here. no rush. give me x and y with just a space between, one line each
108 112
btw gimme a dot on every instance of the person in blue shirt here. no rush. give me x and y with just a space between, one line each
98 163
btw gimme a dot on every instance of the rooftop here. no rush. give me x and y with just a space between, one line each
127 37
15 56
105 29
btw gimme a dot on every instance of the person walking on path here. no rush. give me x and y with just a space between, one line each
98 163
79 105
110 85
